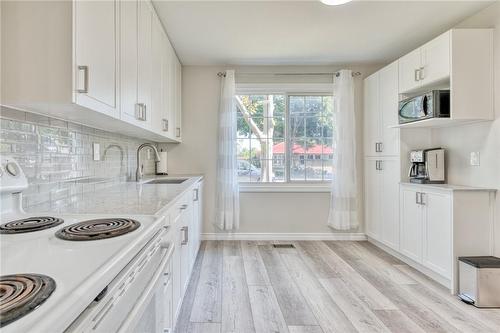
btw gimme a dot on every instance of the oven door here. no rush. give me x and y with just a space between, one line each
152 312
416 108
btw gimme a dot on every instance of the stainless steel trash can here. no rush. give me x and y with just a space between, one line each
479 281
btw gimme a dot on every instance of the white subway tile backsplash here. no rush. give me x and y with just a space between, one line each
56 156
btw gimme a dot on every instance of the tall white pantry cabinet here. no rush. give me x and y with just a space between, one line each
106 64
381 161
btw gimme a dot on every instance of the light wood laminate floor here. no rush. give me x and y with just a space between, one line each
329 286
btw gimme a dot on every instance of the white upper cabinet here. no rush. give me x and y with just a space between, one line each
388 104
460 60
94 65
381 112
409 67
96 57
144 64
435 60
371 115
178 99
426 65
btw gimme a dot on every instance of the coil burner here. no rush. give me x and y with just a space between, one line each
30 224
98 229
22 293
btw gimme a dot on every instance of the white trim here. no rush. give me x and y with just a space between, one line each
284 188
348 236
283 88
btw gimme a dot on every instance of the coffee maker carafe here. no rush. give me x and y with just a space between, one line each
427 166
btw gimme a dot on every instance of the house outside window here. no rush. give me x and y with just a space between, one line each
284 137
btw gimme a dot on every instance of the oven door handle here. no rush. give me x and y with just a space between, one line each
146 296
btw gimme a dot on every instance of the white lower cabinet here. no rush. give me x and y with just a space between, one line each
426 228
186 236
411 224
439 223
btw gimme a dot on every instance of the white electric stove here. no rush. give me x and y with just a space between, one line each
55 267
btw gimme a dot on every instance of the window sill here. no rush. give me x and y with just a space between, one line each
284 188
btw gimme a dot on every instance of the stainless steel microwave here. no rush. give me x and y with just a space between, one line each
432 104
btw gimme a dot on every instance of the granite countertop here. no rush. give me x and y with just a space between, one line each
138 198
450 187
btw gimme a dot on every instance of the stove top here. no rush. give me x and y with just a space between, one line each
98 229
30 224
21 294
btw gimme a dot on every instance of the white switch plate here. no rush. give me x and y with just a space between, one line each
474 158
97 151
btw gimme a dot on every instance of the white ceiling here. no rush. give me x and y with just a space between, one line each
304 32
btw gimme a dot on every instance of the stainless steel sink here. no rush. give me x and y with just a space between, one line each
167 181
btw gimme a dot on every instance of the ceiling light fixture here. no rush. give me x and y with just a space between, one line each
335 2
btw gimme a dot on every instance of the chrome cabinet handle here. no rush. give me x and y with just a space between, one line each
140 111
184 207
196 197
416 198
85 71
165 125
185 231
380 165
421 73
144 115
178 132
380 147
417 75
422 197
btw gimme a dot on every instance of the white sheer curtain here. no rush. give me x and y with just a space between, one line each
228 195
344 192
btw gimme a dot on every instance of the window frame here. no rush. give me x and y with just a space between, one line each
288 89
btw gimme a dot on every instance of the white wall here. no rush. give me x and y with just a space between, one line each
260 212
481 137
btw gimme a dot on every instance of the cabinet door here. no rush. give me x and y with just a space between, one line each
372 199
184 231
157 109
437 233
178 99
96 56
411 224
389 202
144 77
388 101
167 301
408 71
436 59
128 62
176 268
371 114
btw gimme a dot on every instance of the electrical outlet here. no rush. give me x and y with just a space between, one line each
474 158
97 151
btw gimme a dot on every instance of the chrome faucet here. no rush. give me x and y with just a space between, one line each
138 172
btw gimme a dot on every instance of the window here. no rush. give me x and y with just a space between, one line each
285 138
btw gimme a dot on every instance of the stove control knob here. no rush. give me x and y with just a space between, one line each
12 169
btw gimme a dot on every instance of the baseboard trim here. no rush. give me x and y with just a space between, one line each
424 270
350 236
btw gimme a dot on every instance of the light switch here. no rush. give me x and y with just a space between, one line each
97 151
474 158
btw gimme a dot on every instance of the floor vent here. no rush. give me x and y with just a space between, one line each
283 246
